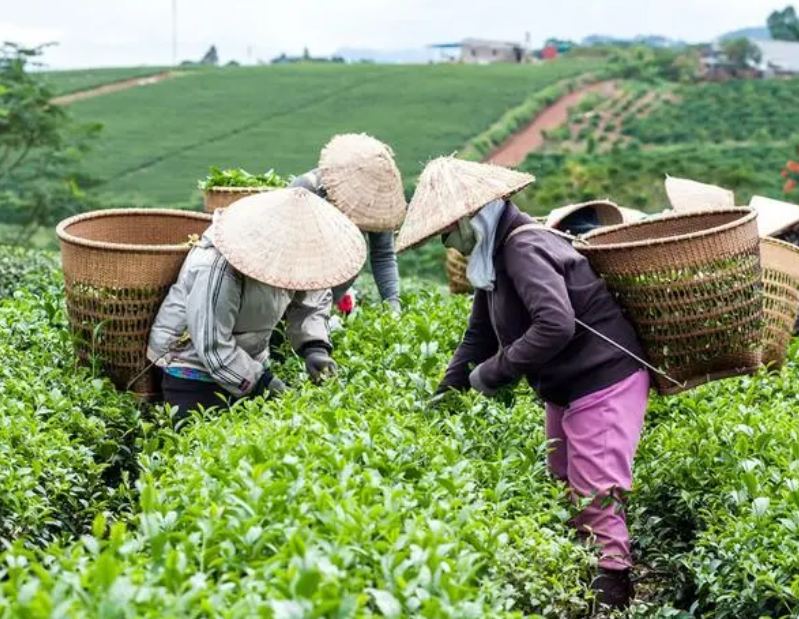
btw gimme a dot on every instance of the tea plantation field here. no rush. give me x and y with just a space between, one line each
351 500
737 134
160 139
66 82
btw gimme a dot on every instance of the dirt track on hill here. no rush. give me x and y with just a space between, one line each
531 138
107 89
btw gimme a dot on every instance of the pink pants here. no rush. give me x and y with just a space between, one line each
594 442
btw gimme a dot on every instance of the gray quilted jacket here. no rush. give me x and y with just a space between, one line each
230 318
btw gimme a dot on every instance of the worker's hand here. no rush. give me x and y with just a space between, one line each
477 383
319 364
435 401
394 306
442 399
269 386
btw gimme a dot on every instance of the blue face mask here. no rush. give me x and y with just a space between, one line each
462 238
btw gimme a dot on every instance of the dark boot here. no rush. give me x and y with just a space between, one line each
613 588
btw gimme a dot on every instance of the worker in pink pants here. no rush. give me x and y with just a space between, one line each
540 313
593 443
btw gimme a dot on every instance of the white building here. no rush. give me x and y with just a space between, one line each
779 57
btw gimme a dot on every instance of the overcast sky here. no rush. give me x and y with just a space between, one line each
133 32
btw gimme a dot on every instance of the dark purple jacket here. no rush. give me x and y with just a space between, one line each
526 326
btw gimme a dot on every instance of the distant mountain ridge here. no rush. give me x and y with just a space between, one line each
651 40
386 56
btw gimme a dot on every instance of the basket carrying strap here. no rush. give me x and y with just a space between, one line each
526 227
589 328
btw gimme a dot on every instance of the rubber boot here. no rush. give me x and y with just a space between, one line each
613 588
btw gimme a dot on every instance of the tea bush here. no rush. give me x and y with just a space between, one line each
717 499
23 269
349 500
355 500
66 437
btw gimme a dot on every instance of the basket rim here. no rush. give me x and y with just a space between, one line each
747 215
251 189
65 237
768 240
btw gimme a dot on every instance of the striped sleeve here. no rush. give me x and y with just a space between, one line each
212 308
308 316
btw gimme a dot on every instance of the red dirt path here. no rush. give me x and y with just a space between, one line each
531 138
106 89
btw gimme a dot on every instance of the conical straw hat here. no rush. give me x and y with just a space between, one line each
774 216
609 213
363 181
291 239
451 188
687 195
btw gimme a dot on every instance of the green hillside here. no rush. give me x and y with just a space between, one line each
65 82
736 134
158 140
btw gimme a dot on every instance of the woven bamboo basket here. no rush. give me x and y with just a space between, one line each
791 236
456 264
118 266
780 263
456 272
691 285
222 197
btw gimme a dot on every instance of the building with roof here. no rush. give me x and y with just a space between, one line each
482 51
779 57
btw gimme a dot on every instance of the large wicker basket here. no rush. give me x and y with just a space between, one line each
780 262
791 236
118 266
691 285
222 197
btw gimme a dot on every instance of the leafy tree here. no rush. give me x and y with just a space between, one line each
741 52
784 25
684 68
41 149
652 65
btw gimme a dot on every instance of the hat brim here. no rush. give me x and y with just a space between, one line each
686 196
773 216
608 212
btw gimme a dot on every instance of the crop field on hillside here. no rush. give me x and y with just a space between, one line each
158 140
352 500
737 134
634 176
65 82
737 111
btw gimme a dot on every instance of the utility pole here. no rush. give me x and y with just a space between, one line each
174 33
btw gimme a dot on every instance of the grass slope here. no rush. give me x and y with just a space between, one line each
65 82
159 140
